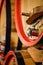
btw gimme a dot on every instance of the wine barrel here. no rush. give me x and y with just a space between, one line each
19 26
15 41
23 58
8 58
19 58
36 54
14 36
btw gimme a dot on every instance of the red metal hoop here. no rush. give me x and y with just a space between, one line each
2 2
18 20
10 56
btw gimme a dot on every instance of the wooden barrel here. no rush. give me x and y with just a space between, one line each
14 36
10 56
19 26
23 58
15 41
36 54
19 58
